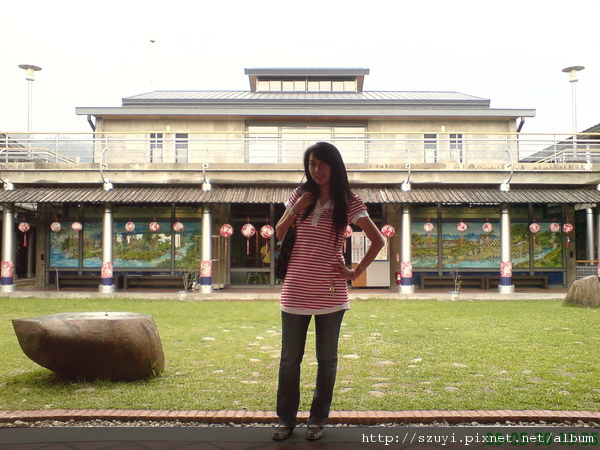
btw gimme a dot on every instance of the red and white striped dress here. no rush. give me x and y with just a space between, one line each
312 285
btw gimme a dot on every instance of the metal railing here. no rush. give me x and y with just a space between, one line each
278 148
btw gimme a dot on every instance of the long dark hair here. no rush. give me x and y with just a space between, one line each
339 187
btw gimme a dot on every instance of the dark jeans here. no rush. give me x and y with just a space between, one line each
293 340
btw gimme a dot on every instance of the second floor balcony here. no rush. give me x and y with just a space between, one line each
277 148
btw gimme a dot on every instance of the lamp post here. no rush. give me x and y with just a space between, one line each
573 71
30 71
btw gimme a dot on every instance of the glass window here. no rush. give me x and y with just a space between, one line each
156 147
181 148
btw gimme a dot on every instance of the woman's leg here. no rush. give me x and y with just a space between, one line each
327 328
293 340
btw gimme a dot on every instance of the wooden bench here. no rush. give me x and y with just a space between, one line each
478 281
78 280
540 281
157 281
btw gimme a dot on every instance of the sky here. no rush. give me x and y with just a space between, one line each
511 52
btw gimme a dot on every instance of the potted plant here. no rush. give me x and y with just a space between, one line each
190 277
455 295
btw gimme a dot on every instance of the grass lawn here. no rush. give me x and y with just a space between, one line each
394 355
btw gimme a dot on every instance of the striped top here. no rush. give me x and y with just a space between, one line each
312 285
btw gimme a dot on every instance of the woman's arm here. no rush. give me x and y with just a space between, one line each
377 243
290 215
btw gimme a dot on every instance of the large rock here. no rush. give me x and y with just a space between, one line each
93 345
584 292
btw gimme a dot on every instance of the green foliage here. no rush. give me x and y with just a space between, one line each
394 354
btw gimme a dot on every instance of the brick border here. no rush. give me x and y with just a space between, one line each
364 418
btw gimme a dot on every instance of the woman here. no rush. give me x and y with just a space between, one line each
316 281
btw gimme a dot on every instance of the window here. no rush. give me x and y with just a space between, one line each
456 147
181 147
286 144
156 147
430 148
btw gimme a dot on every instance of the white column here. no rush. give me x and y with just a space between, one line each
107 282
8 244
206 279
505 286
406 273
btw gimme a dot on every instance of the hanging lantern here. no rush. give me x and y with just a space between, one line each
178 227
388 231
534 228
24 228
428 227
55 226
226 230
487 228
348 233
130 227
554 228
567 228
248 231
154 227
76 226
266 231
462 227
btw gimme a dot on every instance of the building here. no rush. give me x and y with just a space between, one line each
147 193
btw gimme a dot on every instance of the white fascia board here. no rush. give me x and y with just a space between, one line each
296 112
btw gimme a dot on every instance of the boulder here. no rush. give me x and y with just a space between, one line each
120 346
584 292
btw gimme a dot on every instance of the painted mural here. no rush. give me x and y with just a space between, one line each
476 245
135 246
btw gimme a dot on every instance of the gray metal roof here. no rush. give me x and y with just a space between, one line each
396 97
278 195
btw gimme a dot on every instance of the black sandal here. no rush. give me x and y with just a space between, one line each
314 433
282 432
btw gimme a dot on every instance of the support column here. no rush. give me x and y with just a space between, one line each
597 241
406 272
107 282
8 244
590 250
505 286
206 279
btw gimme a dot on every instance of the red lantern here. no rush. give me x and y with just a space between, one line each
567 228
226 230
24 228
177 227
462 227
154 227
554 228
266 231
248 231
534 228
388 231
347 235
130 227
487 228
428 227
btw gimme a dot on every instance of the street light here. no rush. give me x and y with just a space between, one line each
573 71
30 71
